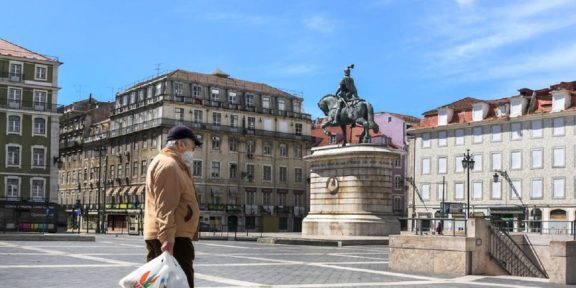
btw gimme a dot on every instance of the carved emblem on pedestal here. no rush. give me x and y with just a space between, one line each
332 185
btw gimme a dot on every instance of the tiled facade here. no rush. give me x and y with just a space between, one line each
29 129
529 136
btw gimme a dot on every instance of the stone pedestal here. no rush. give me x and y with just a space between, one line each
350 191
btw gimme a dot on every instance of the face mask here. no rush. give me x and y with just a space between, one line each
188 157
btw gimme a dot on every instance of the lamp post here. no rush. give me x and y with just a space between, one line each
467 163
505 175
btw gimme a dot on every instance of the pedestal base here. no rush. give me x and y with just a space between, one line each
350 225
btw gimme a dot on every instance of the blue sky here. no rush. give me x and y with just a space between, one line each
410 55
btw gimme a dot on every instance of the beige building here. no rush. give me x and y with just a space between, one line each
249 173
527 140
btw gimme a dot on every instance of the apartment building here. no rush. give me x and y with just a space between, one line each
29 129
393 128
527 140
249 174
80 191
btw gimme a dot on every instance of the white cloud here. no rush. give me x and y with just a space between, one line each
319 24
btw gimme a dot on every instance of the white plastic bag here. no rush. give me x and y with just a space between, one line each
162 272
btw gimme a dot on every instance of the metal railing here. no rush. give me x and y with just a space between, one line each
30 106
226 232
438 226
511 257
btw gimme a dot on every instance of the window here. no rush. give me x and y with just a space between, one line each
267 198
232 144
477 132
558 188
41 72
440 193
516 160
296 106
233 170
158 90
477 163
517 184
536 161
127 167
536 128
283 173
298 151
281 104
458 164
298 129
232 97
143 168
234 120
442 163
37 192
178 89
283 151
250 147
425 192
497 161
425 140
14 97
298 175
39 126
250 172
135 169
197 92
250 197
120 171
442 138
516 130
459 139
267 172
267 148
496 133
112 170
15 71
249 99
13 156
397 163
179 114
12 187
558 157
215 169
496 190
558 127
477 190
215 142
251 123
216 118
426 166
215 95
40 97
38 156
266 102
197 168
536 191
458 191
14 124
198 117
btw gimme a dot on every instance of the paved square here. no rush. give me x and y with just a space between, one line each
222 264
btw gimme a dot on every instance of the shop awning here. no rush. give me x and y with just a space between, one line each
117 191
132 190
110 191
141 190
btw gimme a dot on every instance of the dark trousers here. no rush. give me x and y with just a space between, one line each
183 252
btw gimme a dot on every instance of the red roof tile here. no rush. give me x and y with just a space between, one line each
10 49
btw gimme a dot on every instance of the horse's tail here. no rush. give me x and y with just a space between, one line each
370 117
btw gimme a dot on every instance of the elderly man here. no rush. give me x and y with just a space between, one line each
172 211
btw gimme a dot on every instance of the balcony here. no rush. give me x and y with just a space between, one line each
30 106
12 77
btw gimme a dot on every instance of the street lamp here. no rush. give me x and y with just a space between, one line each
505 175
467 163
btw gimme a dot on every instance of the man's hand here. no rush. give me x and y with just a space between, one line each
168 246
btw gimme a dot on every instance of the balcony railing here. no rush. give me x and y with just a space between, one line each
30 106
11 77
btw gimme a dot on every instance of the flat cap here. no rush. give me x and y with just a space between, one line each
183 132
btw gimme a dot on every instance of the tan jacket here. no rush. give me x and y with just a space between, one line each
171 206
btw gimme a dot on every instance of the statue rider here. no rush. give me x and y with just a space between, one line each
346 93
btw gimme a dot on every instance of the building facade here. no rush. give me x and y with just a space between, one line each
526 140
249 174
82 126
29 125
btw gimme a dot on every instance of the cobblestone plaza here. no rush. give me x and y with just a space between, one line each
222 264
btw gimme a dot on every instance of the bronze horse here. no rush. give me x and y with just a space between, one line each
360 114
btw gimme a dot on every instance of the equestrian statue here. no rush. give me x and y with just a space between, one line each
345 108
